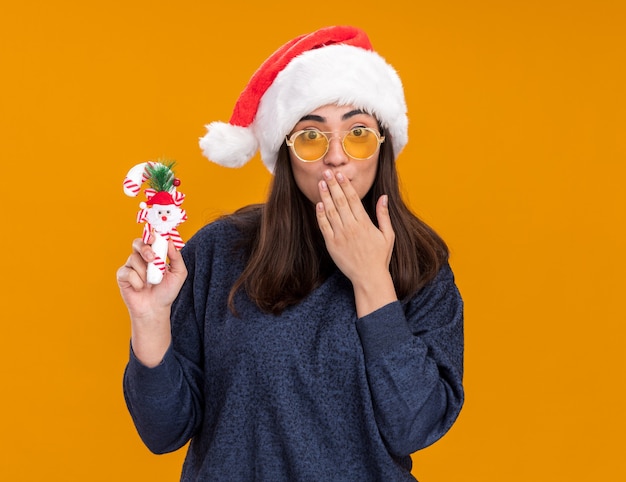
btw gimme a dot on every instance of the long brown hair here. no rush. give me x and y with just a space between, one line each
287 253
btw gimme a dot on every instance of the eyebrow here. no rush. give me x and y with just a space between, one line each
319 118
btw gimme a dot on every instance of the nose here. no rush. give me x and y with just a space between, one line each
335 156
163 218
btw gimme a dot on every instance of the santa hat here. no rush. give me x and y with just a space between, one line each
162 198
334 65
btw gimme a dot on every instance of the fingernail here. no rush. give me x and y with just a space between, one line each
340 177
385 200
328 174
323 185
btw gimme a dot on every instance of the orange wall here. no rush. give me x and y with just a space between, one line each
517 151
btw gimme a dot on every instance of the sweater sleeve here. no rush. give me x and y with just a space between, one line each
414 361
165 402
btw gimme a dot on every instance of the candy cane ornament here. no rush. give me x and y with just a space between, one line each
161 212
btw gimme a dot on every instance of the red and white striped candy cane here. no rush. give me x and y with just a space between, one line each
136 176
174 235
156 268
134 179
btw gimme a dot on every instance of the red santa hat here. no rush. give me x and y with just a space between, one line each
334 65
162 198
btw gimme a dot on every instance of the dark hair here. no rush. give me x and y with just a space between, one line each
287 254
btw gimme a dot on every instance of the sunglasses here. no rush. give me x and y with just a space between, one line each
311 145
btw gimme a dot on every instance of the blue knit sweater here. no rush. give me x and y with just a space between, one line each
313 394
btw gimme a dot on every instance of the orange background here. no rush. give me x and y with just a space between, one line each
517 121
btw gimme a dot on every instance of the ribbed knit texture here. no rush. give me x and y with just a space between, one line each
314 394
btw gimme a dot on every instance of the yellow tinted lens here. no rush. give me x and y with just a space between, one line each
360 143
310 145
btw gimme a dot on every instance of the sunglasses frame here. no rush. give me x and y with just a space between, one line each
290 142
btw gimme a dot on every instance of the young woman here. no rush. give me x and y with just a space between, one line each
318 336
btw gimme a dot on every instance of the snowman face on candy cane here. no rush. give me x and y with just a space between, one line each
164 217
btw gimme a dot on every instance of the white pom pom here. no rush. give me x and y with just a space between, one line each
229 145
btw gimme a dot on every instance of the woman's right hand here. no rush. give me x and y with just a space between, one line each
149 305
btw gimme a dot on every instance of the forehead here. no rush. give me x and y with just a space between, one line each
337 113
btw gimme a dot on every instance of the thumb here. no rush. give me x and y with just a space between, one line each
382 215
177 264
